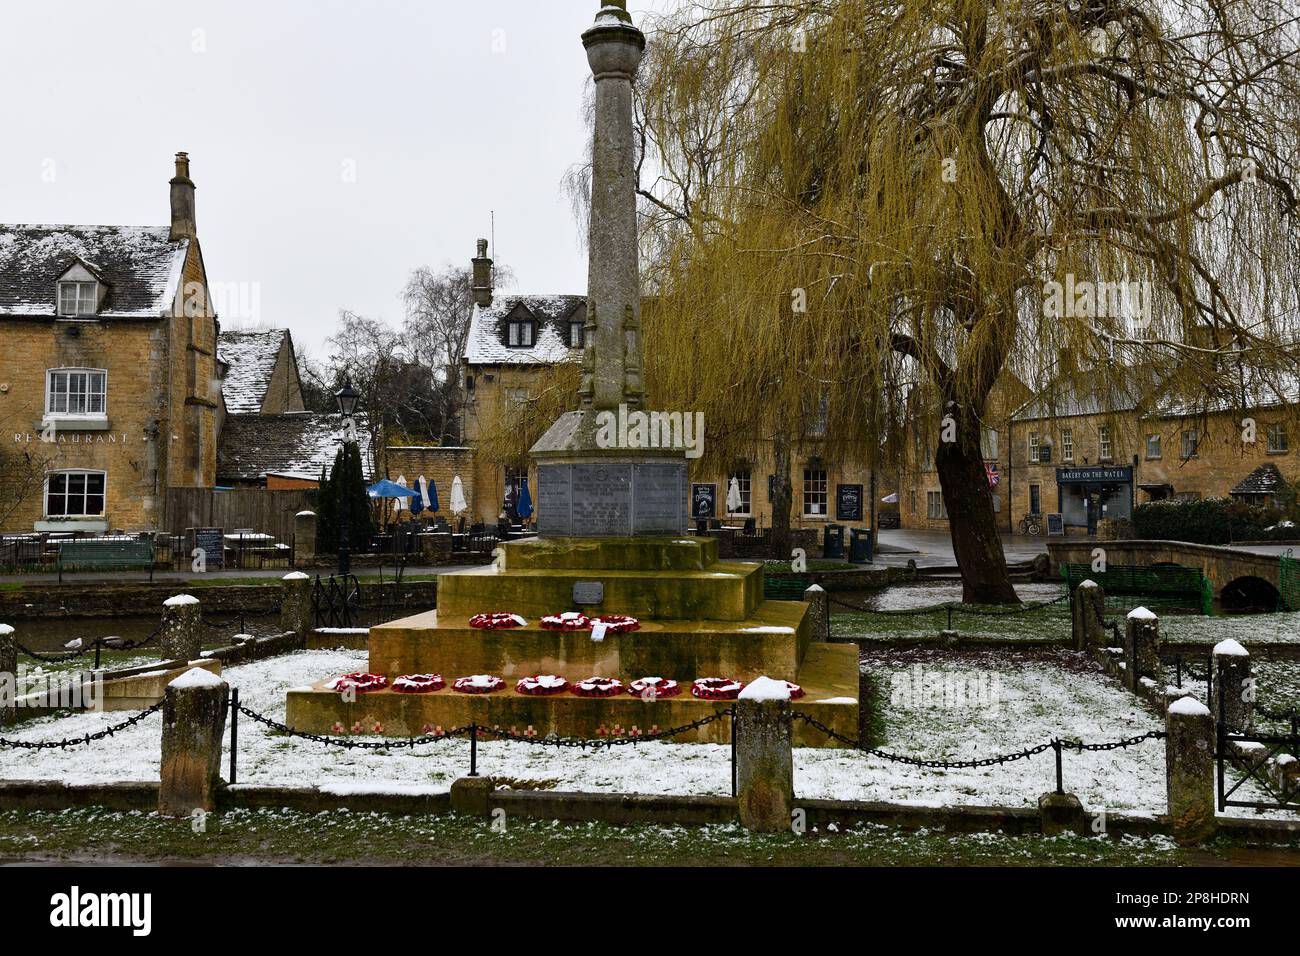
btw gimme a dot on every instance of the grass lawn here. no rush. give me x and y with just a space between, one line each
285 836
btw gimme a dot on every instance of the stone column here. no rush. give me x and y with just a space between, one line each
194 721
612 365
8 675
1189 770
295 604
304 536
1234 690
182 624
764 760
819 612
1088 621
1141 647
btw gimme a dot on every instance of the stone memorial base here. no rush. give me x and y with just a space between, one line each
699 618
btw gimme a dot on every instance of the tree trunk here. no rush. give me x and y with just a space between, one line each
971 520
782 495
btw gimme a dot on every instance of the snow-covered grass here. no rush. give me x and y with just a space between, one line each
1248 629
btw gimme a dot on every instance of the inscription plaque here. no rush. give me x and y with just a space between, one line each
588 592
602 499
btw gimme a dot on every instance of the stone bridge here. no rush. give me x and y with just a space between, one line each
1239 578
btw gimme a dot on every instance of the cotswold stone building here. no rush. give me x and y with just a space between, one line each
109 385
513 338
1075 451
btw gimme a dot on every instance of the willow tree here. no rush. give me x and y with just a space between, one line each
849 195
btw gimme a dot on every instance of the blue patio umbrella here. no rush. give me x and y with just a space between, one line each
430 493
525 506
389 489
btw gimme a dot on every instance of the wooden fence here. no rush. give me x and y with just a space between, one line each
271 512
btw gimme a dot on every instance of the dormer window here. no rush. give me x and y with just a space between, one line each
576 339
521 333
78 298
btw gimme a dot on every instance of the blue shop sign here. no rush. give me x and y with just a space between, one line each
1099 475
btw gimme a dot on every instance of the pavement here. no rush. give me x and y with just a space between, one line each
934 548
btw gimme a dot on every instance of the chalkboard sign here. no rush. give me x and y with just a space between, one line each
213 545
848 502
1056 524
704 501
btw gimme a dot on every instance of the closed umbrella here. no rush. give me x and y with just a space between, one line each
429 492
458 503
418 502
400 502
525 507
733 496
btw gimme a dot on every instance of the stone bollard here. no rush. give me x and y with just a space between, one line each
8 675
194 721
182 636
764 759
1141 647
819 612
472 795
1233 700
1061 813
304 535
295 604
1189 770
1088 616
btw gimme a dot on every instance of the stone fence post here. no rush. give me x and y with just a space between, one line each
194 721
295 604
304 535
1233 699
1088 616
8 675
819 612
1141 647
182 637
764 758
1189 770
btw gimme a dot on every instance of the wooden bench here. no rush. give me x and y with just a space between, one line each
1173 580
100 555
787 587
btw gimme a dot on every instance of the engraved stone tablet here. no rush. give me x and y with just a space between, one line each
614 498
659 498
588 592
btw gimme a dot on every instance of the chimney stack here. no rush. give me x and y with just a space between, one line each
482 283
182 200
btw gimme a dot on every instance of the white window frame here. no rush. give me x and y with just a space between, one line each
577 334
1159 446
1104 450
935 507
1067 444
744 480
1277 440
1195 443
85 297
66 473
813 489
989 443
86 393
513 336
1033 446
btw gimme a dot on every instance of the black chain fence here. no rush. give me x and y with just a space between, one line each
85 739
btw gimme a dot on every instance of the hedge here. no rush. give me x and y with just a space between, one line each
1209 521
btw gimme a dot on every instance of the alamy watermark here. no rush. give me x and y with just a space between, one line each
638 429
1098 300
948 690
62 690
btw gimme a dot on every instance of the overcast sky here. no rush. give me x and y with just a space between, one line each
336 144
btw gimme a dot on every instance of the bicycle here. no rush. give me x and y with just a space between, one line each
1030 525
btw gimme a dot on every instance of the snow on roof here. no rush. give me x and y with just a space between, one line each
486 344
1264 480
140 266
250 358
1065 398
295 445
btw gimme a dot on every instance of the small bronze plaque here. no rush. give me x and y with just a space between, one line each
588 592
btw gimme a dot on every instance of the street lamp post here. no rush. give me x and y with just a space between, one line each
346 398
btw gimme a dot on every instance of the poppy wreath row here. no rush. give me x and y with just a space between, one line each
360 682
419 684
654 688
568 621
542 685
497 620
478 684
